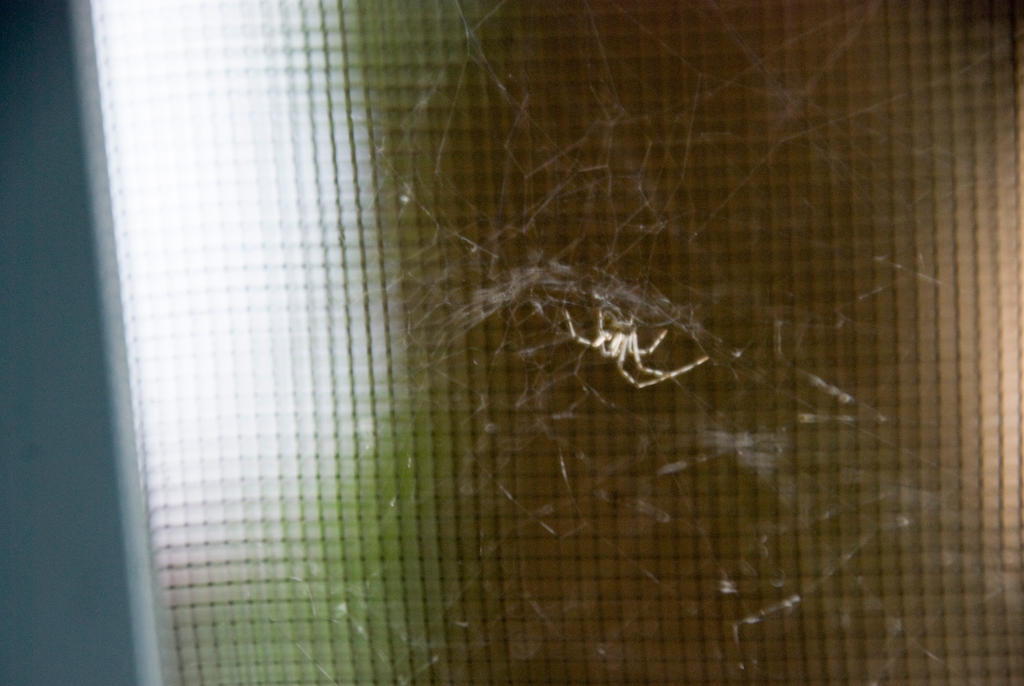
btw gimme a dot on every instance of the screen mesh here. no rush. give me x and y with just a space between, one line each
578 342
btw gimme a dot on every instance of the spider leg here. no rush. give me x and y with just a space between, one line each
660 375
652 347
575 336
629 377
614 346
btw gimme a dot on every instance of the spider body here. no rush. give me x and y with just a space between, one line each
618 340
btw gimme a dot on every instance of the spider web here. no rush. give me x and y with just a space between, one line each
375 453
756 183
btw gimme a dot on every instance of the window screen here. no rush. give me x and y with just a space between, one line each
572 343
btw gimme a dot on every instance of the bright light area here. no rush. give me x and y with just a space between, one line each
243 297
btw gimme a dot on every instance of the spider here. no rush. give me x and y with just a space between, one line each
617 340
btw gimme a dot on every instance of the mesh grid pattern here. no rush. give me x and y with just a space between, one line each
405 285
